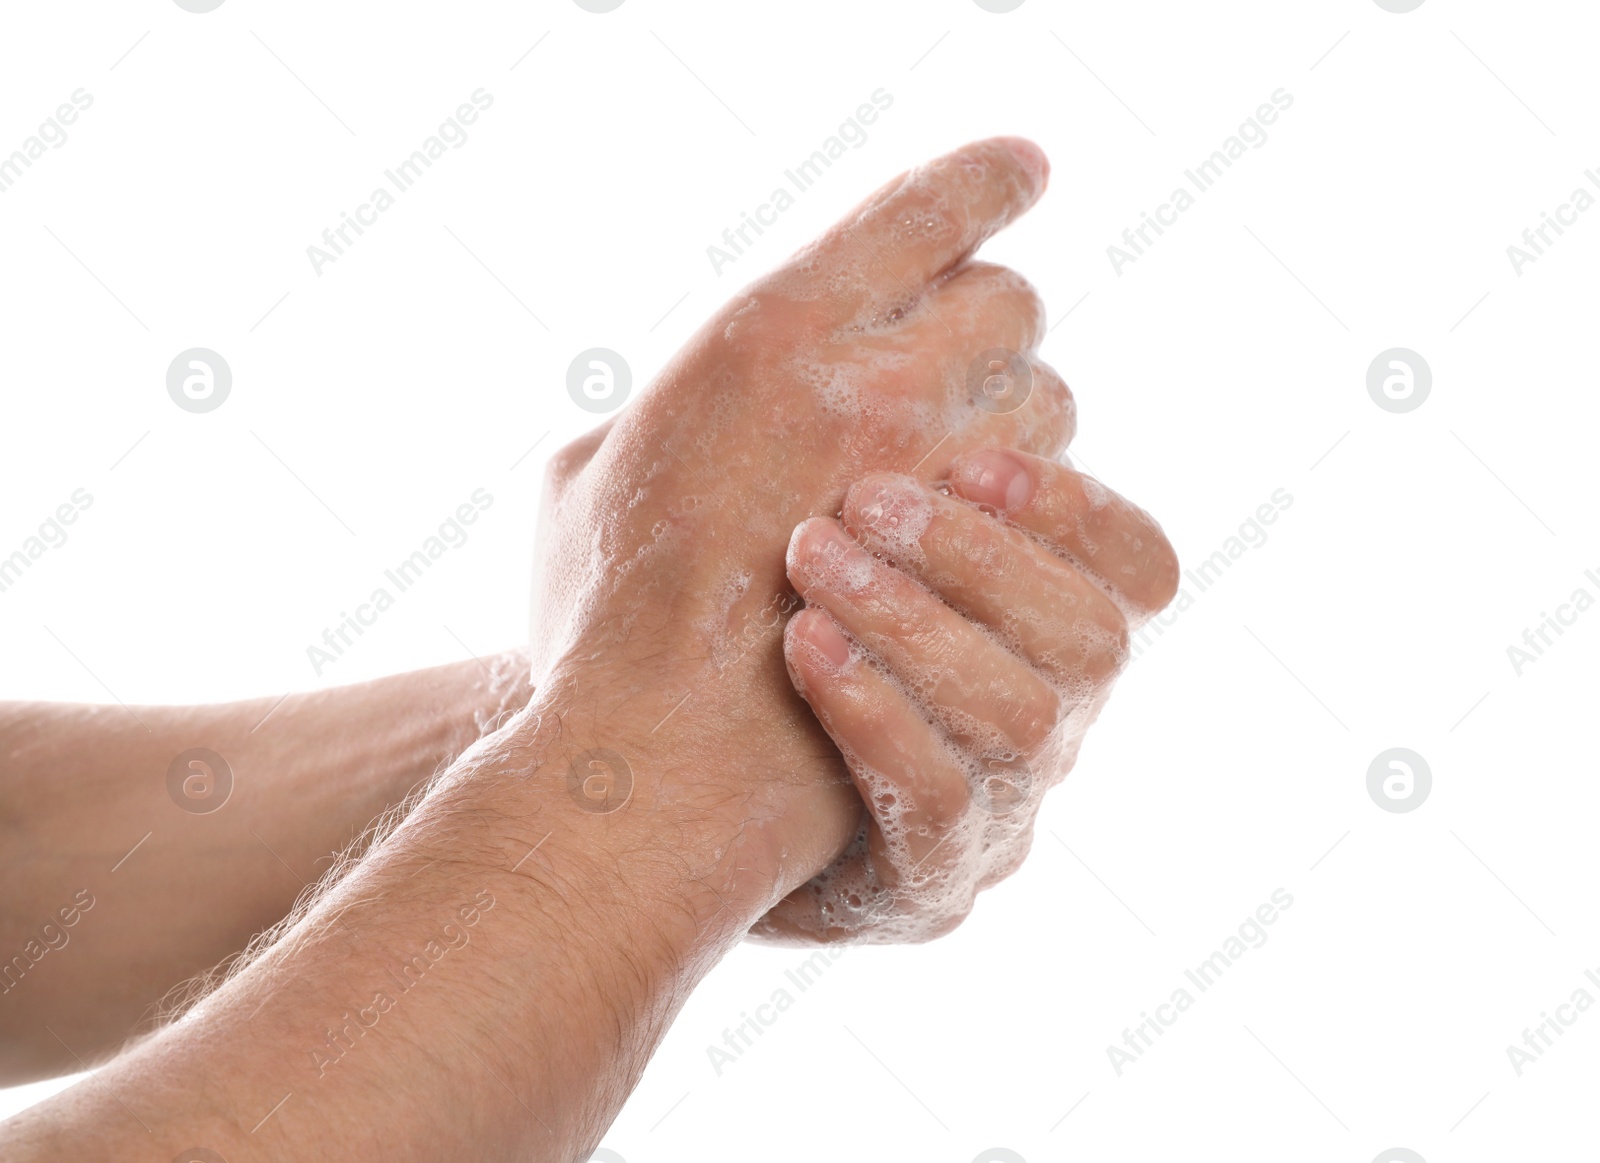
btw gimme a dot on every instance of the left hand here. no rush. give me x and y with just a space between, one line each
956 644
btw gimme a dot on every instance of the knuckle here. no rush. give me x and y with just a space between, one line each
1054 389
952 920
970 538
1053 404
1115 650
1095 648
940 800
1087 501
1037 718
1164 572
915 637
1009 860
1026 302
565 464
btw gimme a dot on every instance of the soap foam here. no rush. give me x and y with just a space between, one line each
926 897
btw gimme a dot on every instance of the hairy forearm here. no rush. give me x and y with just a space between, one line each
122 882
496 972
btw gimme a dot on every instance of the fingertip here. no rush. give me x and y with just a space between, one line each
802 546
798 538
865 499
934 216
819 548
996 180
1031 160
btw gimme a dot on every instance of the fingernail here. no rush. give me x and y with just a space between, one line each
820 631
1032 160
824 555
994 478
828 544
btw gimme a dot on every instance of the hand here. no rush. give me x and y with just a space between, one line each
956 644
539 909
666 532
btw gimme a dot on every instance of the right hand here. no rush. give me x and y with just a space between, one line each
663 597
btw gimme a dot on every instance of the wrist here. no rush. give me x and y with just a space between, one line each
605 919
597 818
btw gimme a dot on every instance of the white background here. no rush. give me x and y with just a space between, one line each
1227 362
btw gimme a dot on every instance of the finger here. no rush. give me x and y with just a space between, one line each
1116 542
913 784
989 702
945 428
1009 392
962 412
847 902
818 912
927 221
994 381
570 459
992 303
1041 605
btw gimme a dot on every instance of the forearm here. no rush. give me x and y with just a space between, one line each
496 973
160 883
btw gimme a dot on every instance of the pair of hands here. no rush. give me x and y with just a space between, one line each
838 432
967 602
